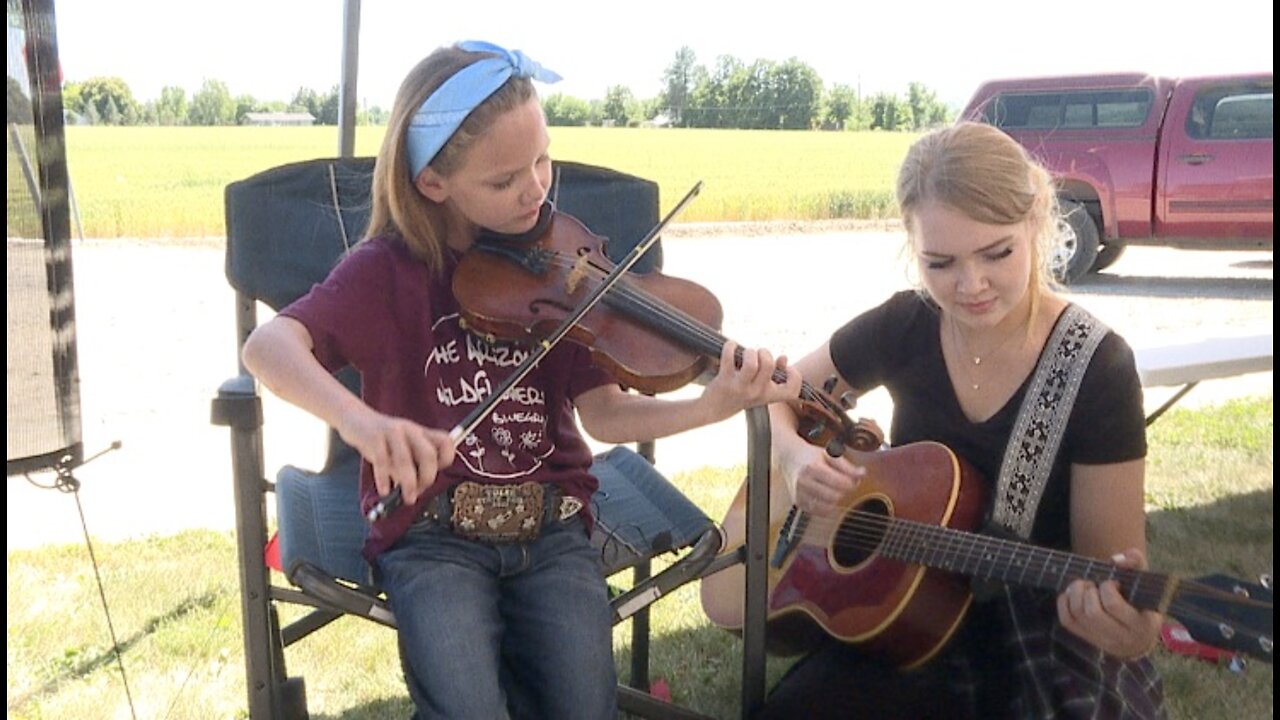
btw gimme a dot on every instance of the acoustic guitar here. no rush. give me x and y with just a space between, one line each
891 573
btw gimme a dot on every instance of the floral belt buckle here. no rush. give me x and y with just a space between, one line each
497 513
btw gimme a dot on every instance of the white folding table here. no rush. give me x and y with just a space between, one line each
1186 364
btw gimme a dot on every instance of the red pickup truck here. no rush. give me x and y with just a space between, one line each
1183 162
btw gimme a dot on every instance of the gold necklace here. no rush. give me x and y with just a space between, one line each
977 359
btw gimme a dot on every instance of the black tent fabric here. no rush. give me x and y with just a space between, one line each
43 387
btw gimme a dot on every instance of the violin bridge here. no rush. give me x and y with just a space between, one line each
576 275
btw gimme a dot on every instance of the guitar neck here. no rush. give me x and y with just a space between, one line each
1217 610
1018 563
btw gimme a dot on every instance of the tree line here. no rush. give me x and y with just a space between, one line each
761 95
109 101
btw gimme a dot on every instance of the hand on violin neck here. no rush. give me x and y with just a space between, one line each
781 372
747 378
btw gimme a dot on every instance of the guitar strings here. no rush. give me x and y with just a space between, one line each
870 531
958 550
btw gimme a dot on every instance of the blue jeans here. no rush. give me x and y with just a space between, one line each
519 630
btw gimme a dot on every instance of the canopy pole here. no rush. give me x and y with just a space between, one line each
347 89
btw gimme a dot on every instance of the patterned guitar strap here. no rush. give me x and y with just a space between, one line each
1055 663
1042 420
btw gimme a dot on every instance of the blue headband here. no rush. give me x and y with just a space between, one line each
444 110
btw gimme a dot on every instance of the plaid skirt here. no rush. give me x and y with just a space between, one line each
1044 671
1012 660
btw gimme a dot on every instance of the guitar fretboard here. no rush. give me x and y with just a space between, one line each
1014 563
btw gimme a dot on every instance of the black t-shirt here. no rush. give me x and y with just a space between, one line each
896 345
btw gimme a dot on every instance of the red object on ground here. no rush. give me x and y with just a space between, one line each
272 553
1174 636
660 689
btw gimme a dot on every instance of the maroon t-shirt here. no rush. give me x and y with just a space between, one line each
384 313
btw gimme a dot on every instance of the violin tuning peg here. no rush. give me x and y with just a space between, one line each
829 385
815 433
835 448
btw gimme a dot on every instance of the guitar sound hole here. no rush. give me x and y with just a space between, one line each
860 534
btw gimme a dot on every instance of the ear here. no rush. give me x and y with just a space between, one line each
432 185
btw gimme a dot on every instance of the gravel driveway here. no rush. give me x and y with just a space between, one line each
156 338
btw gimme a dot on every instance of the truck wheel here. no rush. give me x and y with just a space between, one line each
1108 254
1078 246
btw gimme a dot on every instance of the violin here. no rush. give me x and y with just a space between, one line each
655 333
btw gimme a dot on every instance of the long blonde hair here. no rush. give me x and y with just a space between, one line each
983 173
397 206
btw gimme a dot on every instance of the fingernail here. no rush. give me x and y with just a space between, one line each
1118 557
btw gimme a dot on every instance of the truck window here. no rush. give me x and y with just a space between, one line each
1242 116
1235 112
1041 110
1076 109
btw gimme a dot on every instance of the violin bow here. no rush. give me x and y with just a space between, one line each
395 498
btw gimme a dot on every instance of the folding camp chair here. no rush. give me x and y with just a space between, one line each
286 228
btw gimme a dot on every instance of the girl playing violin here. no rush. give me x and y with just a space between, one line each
490 625
958 356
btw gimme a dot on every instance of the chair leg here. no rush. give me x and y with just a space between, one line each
640 636
260 628
290 693
293 700
757 579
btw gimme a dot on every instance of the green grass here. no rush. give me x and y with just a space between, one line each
1210 497
176 607
168 181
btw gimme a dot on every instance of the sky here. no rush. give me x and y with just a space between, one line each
270 48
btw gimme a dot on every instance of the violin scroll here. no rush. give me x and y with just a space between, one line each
822 424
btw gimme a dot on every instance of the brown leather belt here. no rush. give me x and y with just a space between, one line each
501 513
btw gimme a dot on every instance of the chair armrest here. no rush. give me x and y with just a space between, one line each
237 404
338 595
688 567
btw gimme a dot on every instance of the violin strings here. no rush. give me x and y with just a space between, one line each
902 539
678 319
681 322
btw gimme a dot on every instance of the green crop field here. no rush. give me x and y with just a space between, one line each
168 181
